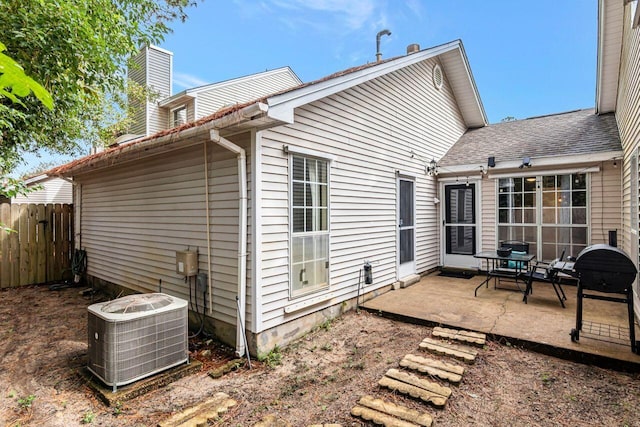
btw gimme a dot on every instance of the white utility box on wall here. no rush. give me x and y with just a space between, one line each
187 262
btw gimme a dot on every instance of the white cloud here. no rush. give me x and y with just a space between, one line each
350 15
187 81
416 8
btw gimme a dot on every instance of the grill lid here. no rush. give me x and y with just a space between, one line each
605 268
604 258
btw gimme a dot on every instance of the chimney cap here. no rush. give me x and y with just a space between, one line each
413 48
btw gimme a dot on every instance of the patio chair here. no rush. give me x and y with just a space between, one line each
545 273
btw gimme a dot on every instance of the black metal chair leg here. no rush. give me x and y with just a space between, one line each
553 283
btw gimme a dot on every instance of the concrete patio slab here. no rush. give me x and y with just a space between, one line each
541 325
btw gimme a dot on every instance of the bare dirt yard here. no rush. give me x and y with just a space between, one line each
316 380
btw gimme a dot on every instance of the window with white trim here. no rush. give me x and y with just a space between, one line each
517 210
179 116
564 215
549 212
309 258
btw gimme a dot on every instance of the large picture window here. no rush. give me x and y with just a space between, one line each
548 212
309 225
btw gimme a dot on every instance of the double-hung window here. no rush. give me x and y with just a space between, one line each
309 258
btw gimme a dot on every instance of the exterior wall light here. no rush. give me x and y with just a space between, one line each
432 168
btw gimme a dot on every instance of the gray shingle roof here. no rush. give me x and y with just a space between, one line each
564 134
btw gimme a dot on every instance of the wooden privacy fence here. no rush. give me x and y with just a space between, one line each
40 249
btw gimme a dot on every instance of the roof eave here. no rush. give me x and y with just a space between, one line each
610 20
248 117
542 162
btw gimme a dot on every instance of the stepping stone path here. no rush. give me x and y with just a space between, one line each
389 414
273 421
444 371
462 352
464 336
415 386
392 415
200 414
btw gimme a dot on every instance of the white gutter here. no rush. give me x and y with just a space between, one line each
134 150
242 235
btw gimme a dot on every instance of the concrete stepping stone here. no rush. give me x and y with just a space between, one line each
462 352
389 414
272 421
200 414
444 371
417 387
460 335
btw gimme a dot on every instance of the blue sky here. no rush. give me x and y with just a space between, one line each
528 58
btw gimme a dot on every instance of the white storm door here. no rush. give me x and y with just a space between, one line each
406 228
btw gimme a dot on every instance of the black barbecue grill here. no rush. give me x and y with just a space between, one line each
607 270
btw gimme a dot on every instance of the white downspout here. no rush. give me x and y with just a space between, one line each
206 201
242 235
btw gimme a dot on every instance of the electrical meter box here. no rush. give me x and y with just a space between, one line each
187 263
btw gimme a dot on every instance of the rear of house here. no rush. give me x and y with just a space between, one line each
284 198
552 181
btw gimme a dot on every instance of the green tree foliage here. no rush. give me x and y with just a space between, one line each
77 50
15 84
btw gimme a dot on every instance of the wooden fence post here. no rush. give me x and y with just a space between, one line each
5 255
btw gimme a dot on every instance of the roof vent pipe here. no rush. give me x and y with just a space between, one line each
413 48
380 34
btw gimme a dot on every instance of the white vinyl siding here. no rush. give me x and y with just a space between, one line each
628 113
159 80
54 190
628 119
395 123
138 73
135 216
152 69
243 90
605 200
488 203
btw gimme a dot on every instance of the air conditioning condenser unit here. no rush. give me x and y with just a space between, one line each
136 336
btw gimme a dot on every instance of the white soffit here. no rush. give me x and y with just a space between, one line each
610 26
282 106
458 73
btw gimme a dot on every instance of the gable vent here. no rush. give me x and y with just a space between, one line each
438 78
